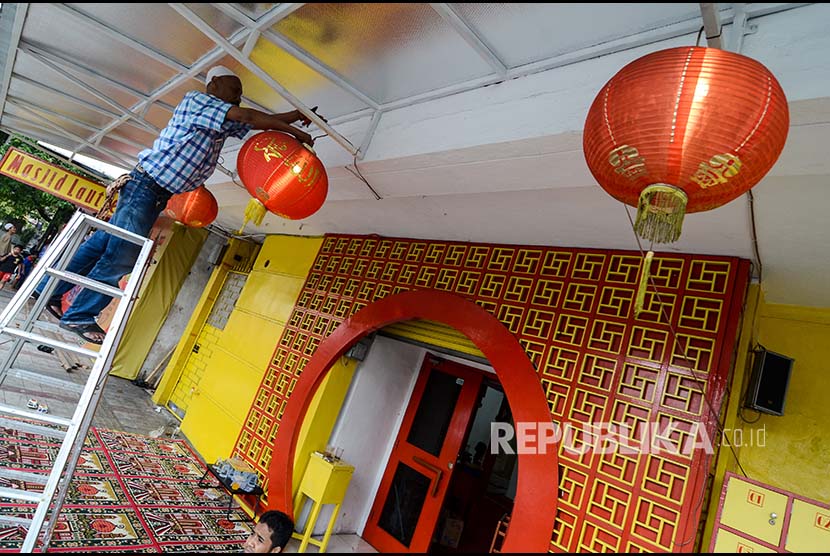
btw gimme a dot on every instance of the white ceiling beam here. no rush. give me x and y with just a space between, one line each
277 13
740 28
208 59
370 133
210 32
85 103
205 61
118 35
711 24
625 43
21 10
69 119
321 68
69 135
472 38
250 44
58 58
91 90
305 57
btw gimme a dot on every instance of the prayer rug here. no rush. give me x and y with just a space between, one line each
129 493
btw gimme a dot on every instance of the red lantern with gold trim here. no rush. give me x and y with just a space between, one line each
282 175
195 209
684 130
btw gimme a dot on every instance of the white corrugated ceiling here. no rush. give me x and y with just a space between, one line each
467 117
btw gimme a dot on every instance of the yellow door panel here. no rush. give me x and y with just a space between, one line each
809 529
210 429
251 337
231 383
749 508
270 295
290 254
193 371
732 543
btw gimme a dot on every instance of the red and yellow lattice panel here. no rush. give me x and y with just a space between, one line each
655 378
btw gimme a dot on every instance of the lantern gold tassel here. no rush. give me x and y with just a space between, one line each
660 213
641 289
255 212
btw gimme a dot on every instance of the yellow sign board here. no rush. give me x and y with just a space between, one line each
47 177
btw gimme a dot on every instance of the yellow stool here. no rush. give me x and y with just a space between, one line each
324 483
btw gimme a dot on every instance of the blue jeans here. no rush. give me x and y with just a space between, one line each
106 258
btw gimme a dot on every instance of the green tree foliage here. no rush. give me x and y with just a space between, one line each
22 204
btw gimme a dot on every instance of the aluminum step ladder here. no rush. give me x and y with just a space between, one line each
23 326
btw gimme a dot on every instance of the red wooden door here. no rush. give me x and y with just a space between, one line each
420 466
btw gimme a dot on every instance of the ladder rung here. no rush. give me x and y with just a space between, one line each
35 416
22 521
117 231
30 428
99 287
50 326
17 494
31 376
27 476
38 339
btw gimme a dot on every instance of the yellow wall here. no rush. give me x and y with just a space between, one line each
797 452
158 292
791 452
244 349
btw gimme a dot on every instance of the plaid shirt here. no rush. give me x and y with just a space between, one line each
186 151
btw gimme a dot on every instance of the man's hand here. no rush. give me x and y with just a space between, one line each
303 137
304 120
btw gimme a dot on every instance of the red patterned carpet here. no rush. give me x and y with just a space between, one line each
130 493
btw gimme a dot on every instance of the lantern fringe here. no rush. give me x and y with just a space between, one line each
660 213
254 212
641 289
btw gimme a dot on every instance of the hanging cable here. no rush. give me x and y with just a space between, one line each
751 198
718 426
359 175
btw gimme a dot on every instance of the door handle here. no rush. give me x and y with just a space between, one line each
434 468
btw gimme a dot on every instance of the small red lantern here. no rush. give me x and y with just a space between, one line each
282 175
684 130
195 209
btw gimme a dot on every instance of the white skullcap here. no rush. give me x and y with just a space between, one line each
8 226
218 71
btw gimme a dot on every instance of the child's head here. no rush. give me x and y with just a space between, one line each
271 534
17 249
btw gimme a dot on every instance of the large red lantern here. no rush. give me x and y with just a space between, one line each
195 209
282 175
684 130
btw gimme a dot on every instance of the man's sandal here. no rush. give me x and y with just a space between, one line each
86 331
53 305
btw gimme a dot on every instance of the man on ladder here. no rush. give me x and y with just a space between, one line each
183 156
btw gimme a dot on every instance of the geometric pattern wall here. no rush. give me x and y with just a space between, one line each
573 312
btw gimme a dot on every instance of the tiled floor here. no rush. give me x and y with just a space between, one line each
124 406
337 545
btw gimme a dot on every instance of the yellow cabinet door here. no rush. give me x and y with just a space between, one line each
753 510
809 529
729 542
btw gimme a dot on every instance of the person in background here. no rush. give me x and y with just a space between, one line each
9 230
184 155
11 264
28 262
271 534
